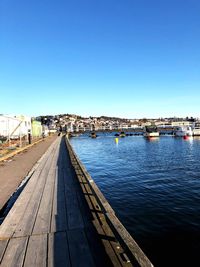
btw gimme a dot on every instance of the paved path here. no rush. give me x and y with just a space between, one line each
13 171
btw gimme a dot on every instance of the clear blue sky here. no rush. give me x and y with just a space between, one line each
127 58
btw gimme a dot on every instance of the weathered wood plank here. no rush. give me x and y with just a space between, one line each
114 248
3 245
80 253
100 248
74 215
8 227
28 219
128 242
43 219
36 255
58 250
117 248
105 239
59 214
69 181
15 252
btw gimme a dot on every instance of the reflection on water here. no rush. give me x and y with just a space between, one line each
154 187
196 137
152 139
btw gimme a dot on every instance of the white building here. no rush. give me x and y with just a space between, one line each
182 123
14 127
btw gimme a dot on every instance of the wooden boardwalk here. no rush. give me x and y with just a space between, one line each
59 221
13 170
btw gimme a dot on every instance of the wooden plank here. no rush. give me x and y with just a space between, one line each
8 227
74 215
43 219
15 252
105 239
128 242
79 249
59 214
101 237
58 250
108 240
26 224
86 213
69 181
36 254
3 245
115 250
99 247
17 211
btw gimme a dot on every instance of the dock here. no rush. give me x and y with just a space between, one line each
15 166
61 218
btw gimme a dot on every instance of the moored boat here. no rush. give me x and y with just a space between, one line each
93 135
122 134
196 129
151 131
181 131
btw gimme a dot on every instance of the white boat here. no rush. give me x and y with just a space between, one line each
151 131
196 129
181 131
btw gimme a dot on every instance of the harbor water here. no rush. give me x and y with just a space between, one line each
154 187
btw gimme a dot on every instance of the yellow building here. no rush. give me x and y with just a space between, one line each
36 128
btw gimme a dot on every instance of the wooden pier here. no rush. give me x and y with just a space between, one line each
62 219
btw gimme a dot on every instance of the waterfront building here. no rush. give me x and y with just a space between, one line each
181 123
15 126
36 128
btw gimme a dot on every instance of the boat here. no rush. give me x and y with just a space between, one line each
196 129
93 135
122 134
181 131
151 131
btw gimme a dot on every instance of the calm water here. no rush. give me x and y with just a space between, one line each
154 188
